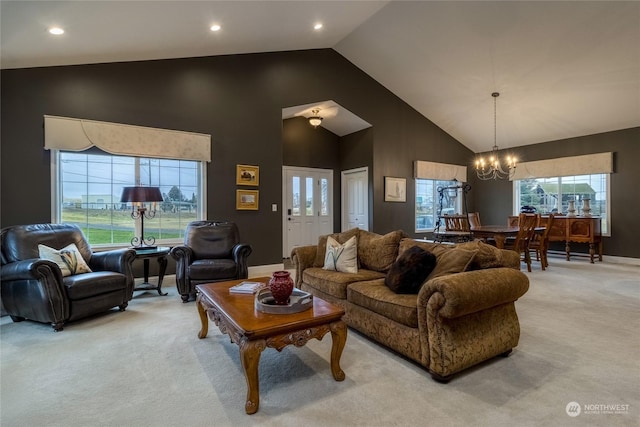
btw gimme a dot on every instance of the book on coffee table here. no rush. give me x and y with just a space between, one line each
246 287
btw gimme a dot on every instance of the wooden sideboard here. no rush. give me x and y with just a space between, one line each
577 229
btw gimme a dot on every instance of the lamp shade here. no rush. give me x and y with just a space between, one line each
141 194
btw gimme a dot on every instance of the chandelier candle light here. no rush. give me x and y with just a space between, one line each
491 168
139 196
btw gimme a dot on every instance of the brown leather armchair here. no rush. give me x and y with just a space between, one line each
212 252
35 289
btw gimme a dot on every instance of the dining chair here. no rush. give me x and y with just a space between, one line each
474 219
540 242
527 225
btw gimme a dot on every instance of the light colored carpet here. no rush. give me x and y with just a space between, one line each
146 367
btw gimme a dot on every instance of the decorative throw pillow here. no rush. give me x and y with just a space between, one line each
452 261
343 258
69 259
378 252
322 244
410 270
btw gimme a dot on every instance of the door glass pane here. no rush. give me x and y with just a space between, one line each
309 195
324 197
296 195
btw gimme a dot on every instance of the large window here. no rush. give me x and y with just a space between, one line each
89 186
553 195
427 203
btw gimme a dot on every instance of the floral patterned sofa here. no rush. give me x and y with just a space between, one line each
462 314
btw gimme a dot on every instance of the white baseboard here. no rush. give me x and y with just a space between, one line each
620 260
265 270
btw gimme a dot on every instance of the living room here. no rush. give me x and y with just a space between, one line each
238 99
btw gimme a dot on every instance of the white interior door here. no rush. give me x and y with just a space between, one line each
355 199
308 210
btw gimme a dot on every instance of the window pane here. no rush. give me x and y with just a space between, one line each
324 197
90 186
428 202
548 195
296 195
309 195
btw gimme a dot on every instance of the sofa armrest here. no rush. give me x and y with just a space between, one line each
510 259
473 291
303 257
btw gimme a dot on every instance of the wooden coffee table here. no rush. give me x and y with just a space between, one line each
253 330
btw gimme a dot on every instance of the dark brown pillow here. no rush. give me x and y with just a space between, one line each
410 270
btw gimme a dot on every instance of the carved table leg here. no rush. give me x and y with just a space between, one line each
250 356
339 338
500 239
204 330
592 252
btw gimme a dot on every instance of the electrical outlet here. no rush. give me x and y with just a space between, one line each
274 207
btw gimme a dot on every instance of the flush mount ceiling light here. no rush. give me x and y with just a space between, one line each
315 119
317 26
215 27
56 31
491 168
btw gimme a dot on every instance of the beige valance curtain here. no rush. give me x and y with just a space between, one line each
565 166
64 133
439 171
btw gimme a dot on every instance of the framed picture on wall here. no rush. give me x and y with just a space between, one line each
247 200
395 189
247 175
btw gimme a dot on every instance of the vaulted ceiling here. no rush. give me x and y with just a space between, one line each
563 69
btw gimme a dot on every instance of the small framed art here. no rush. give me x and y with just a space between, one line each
395 189
247 200
247 175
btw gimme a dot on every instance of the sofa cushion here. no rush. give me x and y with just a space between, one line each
335 283
410 270
453 261
376 252
341 257
68 259
374 295
322 244
436 248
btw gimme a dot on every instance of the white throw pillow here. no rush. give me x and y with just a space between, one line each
68 259
343 258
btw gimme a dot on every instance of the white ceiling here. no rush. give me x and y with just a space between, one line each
563 69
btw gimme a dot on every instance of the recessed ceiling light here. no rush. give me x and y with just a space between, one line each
56 31
215 27
317 26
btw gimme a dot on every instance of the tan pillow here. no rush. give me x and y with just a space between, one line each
376 252
341 257
322 244
453 261
68 259
437 248
488 256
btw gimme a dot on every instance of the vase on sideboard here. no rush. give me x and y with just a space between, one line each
281 287
586 207
571 210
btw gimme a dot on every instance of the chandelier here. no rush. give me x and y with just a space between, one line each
491 167
315 119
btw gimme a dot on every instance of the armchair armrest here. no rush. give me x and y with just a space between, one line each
31 269
472 291
303 257
182 254
241 252
119 260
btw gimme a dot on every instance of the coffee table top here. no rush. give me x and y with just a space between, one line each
240 311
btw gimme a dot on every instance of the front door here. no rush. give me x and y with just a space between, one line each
308 206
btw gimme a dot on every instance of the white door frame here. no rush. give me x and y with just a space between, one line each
344 215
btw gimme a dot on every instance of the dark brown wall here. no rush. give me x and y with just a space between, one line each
238 99
494 199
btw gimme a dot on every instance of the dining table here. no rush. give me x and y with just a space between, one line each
498 232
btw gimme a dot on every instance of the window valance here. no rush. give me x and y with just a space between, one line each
565 166
64 133
440 171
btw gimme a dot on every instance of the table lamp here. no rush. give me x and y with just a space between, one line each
139 196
